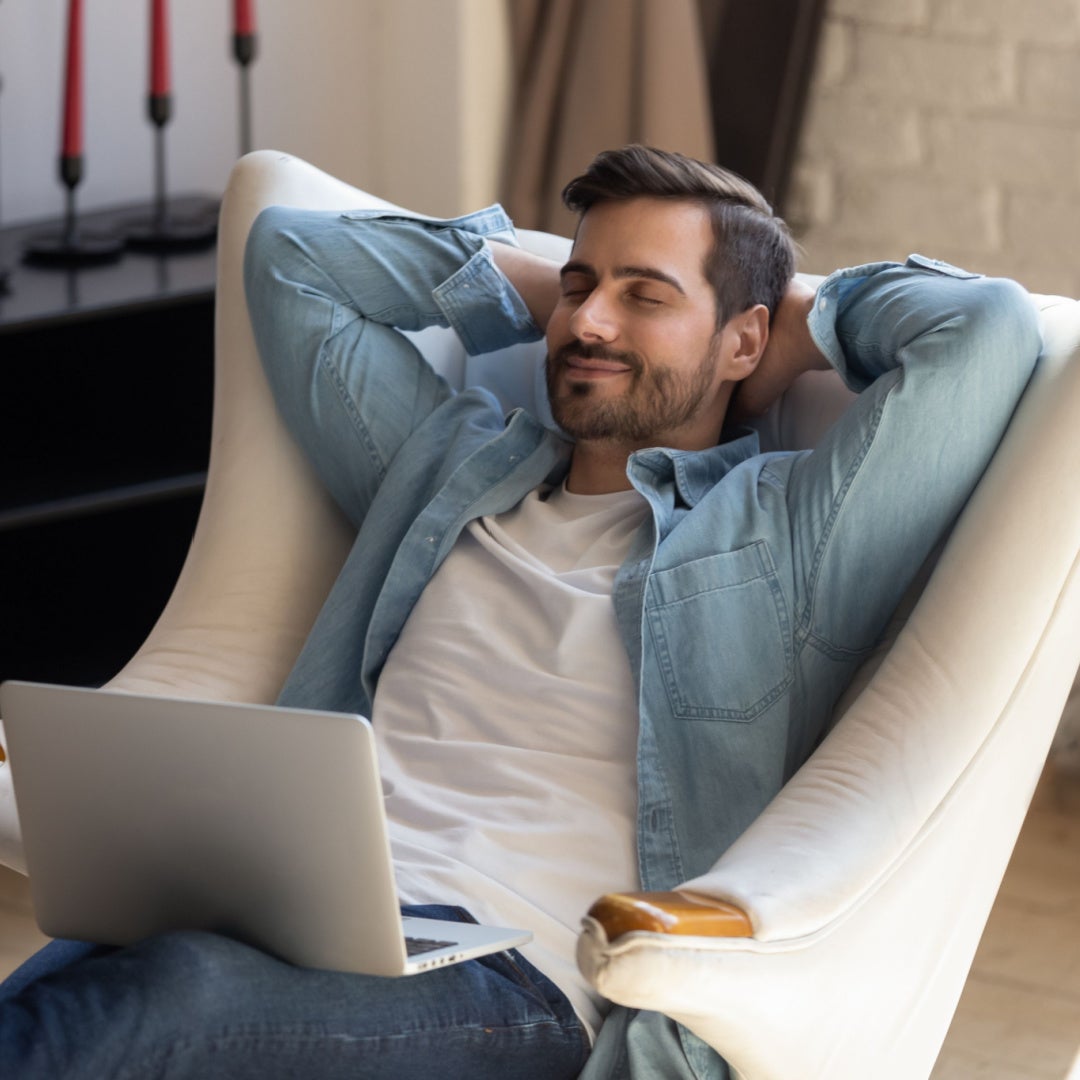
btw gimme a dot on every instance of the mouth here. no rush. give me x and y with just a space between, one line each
590 362
582 368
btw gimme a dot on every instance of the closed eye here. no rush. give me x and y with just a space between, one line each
575 290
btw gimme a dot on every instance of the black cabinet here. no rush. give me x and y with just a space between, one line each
105 403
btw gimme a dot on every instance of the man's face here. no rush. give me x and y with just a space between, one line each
634 354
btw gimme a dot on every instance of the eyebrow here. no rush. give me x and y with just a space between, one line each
650 272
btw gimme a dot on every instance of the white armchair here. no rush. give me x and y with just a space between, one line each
863 889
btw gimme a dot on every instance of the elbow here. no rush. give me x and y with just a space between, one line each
1006 319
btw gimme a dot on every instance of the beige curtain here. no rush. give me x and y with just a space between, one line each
596 74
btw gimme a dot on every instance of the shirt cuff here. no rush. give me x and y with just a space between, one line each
483 308
477 300
839 288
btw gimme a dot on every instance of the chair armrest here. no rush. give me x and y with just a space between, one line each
669 913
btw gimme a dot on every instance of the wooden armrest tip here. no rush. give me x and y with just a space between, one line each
669 913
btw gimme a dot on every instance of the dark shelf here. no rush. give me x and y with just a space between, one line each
105 406
39 296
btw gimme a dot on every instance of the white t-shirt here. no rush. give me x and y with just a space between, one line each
506 719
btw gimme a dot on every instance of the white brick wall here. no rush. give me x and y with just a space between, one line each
950 127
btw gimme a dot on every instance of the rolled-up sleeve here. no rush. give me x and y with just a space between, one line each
329 291
940 357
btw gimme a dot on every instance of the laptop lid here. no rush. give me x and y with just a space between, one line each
144 814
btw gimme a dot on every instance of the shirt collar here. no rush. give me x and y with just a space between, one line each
693 472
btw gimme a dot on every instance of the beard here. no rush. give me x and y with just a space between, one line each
658 400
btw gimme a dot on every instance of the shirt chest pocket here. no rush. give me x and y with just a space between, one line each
720 635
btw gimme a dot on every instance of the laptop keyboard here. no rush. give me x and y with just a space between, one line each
414 946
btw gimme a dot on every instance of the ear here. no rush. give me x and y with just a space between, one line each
744 339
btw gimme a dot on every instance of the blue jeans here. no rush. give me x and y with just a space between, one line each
194 1004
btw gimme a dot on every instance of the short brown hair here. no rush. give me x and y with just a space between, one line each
753 256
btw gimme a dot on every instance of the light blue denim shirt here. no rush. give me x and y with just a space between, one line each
759 581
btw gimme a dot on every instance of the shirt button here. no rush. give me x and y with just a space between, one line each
823 303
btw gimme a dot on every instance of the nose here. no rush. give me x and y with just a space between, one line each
594 319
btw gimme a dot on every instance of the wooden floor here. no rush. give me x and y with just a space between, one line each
1019 1018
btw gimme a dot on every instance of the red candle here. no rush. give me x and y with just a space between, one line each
159 48
72 141
243 17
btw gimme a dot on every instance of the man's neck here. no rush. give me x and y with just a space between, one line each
598 467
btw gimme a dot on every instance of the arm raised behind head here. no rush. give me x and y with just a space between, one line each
790 352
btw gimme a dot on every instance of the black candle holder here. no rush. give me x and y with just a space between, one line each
166 230
72 246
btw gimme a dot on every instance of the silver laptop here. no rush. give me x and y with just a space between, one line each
145 814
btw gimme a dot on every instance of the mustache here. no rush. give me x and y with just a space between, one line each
593 352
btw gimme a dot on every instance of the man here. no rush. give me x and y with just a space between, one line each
592 655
